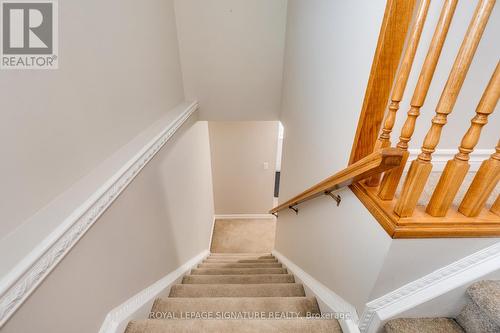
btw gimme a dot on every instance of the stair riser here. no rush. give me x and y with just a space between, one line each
240 326
176 307
238 279
222 254
240 265
241 257
241 290
242 261
237 271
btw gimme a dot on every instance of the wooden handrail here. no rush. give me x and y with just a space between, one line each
377 162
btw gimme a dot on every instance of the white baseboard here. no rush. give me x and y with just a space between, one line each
244 216
211 235
139 305
329 301
437 283
441 156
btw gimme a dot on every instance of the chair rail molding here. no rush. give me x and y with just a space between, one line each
22 280
430 286
140 304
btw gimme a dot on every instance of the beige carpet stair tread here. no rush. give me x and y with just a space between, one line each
241 254
486 294
238 290
423 325
240 265
238 279
246 288
178 307
232 326
230 261
233 271
241 257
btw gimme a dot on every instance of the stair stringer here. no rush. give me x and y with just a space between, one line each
139 305
329 302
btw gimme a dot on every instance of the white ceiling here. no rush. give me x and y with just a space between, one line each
232 56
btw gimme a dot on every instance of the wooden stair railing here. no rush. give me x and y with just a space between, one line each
483 184
391 179
457 168
391 40
377 162
421 168
402 215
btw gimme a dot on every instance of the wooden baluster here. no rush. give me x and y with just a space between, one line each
384 140
483 184
496 206
391 178
455 171
422 167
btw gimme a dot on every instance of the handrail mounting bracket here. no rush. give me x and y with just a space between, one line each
295 209
335 197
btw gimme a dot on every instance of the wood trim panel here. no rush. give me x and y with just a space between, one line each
422 225
395 25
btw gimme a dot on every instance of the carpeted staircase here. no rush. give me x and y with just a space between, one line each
236 293
481 314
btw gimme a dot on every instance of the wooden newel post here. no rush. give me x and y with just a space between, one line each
384 140
422 166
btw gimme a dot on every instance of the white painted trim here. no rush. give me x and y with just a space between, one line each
21 281
211 234
139 305
325 296
244 216
441 156
437 283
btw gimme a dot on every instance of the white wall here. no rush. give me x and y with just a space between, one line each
232 56
326 71
119 71
411 258
479 74
239 150
65 132
447 305
149 231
